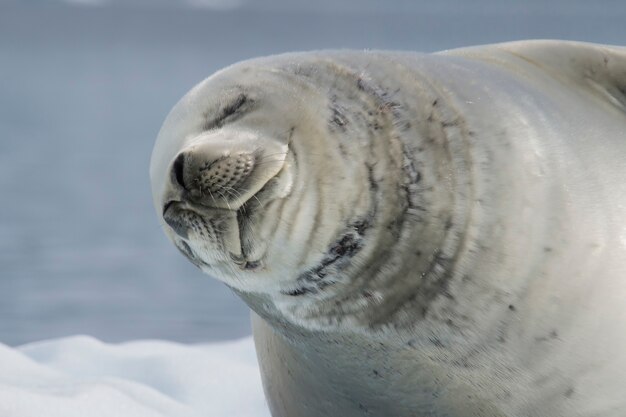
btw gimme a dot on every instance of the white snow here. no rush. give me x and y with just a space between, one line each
82 376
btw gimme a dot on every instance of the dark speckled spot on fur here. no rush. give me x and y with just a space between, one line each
551 336
435 281
394 227
467 361
300 291
449 123
361 226
382 97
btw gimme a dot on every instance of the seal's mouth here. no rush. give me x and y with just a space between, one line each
209 234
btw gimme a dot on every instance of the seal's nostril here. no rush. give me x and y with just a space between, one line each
178 167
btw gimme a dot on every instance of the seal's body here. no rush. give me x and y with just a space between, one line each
436 235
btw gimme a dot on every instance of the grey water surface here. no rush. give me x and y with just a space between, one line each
83 92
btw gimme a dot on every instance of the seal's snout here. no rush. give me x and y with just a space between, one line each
224 170
214 191
214 180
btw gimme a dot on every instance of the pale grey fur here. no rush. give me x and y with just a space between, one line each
418 235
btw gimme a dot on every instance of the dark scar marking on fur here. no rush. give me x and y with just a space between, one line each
372 181
233 111
338 121
394 112
340 253
412 178
300 291
337 258
551 336
436 342
380 95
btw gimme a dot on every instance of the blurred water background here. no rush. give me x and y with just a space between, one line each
84 88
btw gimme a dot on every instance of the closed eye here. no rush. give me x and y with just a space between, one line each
236 108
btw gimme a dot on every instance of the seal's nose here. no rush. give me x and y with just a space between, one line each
213 180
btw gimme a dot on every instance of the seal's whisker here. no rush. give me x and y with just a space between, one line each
259 201
239 195
273 154
268 162
233 193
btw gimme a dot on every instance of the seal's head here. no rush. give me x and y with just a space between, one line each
296 177
221 166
